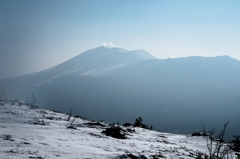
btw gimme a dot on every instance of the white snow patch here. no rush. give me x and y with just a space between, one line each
103 71
109 45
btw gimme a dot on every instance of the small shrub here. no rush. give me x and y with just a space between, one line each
217 147
115 131
7 137
138 123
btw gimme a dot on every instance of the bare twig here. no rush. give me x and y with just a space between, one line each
70 114
34 99
2 93
71 126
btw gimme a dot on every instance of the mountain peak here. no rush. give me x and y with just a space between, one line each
100 61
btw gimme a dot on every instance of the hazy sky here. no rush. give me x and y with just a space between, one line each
35 35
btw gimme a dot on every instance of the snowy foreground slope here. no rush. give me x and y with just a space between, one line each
38 133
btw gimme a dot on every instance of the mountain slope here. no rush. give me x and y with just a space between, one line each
41 133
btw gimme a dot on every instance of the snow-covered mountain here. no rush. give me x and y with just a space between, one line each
100 61
112 84
29 132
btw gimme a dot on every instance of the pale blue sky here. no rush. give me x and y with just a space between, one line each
35 35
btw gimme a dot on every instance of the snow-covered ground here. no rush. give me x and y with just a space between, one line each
39 133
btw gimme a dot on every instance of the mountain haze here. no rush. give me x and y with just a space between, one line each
116 85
